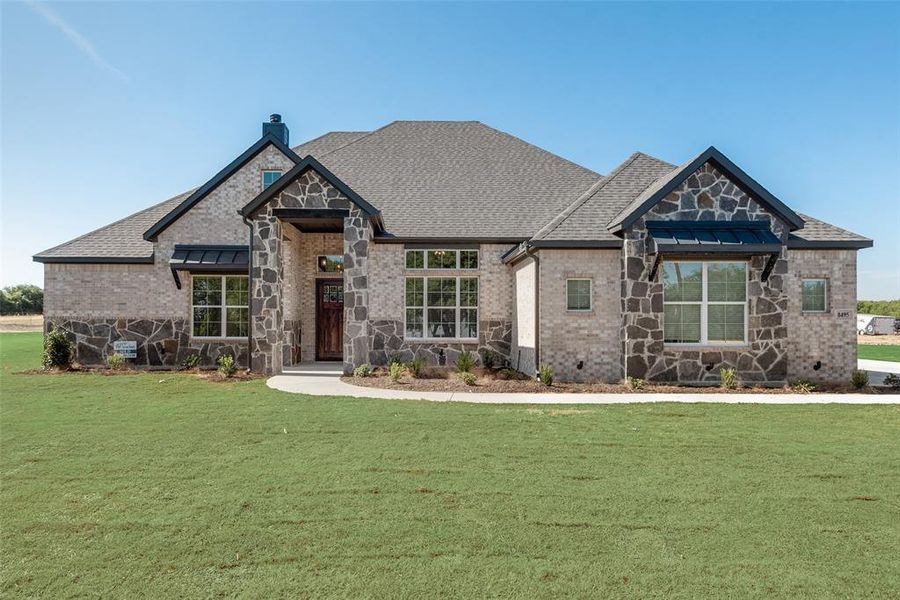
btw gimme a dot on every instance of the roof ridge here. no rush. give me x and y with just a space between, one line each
360 138
585 196
114 223
326 134
544 150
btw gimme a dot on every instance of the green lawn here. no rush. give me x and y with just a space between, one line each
160 485
891 353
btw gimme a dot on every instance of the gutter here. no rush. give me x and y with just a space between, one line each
249 224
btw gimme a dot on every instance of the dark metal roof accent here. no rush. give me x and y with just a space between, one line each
713 237
204 190
310 213
96 260
296 171
219 259
443 242
722 162
575 244
798 244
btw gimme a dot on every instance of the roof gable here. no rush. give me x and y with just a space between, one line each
669 182
585 220
207 188
306 164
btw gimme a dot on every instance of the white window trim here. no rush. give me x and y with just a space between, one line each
425 307
590 308
425 266
262 176
704 306
825 286
223 307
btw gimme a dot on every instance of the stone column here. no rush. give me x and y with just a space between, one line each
357 338
267 306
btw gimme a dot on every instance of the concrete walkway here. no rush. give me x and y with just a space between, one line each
322 380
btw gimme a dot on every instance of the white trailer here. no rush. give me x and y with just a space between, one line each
874 325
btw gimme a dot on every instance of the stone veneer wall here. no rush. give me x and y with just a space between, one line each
705 195
271 348
161 342
387 304
822 337
570 338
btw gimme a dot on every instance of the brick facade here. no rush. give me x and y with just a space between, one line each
581 346
826 340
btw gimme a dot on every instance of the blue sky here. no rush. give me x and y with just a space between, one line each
108 108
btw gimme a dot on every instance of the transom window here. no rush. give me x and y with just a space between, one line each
331 263
441 307
705 302
442 259
578 294
813 295
220 306
269 177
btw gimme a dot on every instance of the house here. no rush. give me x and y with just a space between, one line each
428 238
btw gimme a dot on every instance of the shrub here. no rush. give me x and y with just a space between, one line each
545 375
363 370
802 386
396 371
468 378
394 358
191 361
892 380
487 359
634 383
58 350
415 367
859 379
116 362
226 365
465 362
728 378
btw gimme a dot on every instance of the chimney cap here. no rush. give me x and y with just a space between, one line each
274 118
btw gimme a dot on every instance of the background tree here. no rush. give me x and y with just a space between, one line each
887 308
21 299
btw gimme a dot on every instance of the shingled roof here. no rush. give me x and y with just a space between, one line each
445 180
457 179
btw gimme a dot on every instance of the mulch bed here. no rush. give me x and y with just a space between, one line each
205 374
445 379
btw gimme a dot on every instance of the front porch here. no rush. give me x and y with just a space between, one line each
309 272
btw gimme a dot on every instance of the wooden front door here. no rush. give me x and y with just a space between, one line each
329 319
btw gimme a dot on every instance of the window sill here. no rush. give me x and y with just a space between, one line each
814 313
708 347
579 312
206 338
441 340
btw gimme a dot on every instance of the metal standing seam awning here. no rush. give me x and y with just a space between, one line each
714 238
208 259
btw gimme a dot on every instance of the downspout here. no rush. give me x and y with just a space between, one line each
249 294
529 253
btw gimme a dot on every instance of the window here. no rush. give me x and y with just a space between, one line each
705 302
332 263
219 306
813 295
441 307
578 294
442 259
270 177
